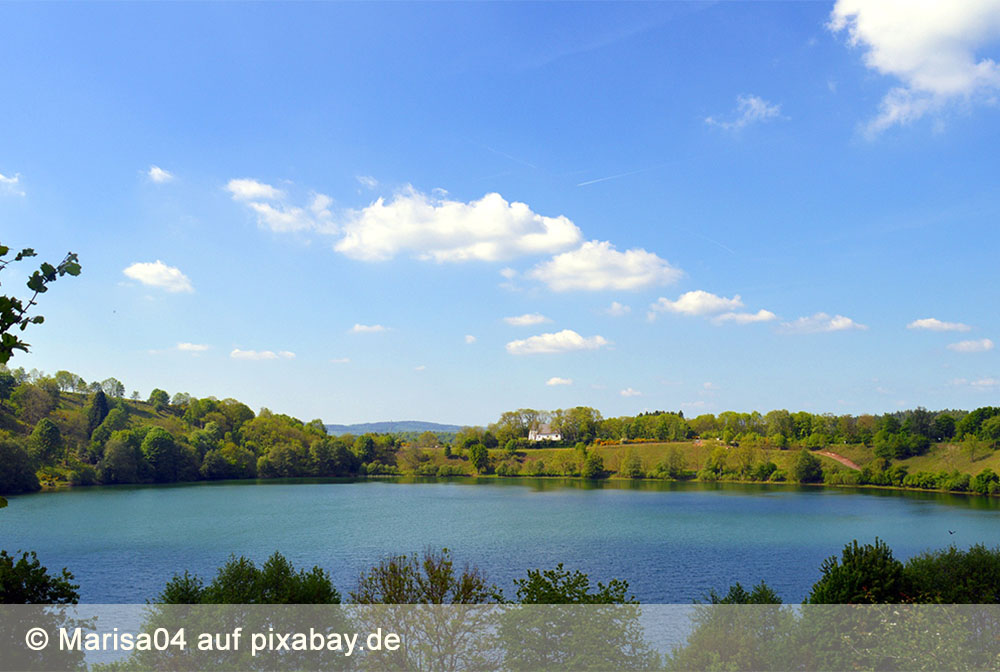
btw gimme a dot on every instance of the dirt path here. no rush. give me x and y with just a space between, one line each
840 458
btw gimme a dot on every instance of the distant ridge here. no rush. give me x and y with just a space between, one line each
391 427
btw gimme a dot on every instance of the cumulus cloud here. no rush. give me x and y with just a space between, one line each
982 345
697 302
367 328
261 354
934 324
526 320
470 339
434 228
629 392
159 175
11 185
508 273
617 309
821 322
556 380
929 47
246 189
749 110
745 318
158 274
599 266
566 340
192 347
274 212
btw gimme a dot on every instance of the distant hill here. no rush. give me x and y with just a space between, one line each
391 427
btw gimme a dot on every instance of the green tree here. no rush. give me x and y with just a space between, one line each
14 313
17 471
240 581
430 578
159 399
164 456
760 594
479 456
45 444
593 466
23 580
97 410
866 574
560 586
807 468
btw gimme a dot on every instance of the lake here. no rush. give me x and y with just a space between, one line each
671 541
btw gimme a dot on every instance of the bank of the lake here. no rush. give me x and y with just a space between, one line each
672 541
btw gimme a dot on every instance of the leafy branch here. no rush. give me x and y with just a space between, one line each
14 313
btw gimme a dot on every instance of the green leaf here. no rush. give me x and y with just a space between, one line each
72 268
4 250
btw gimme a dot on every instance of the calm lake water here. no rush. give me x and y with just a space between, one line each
671 542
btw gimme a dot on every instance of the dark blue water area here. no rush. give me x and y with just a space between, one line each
671 541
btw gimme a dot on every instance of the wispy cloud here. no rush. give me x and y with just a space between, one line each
981 345
11 185
159 175
933 324
556 380
526 320
566 340
749 110
819 323
367 181
745 318
629 392
617 309
340 360
259 355
274 212
158 274
192 347
368 328
470 339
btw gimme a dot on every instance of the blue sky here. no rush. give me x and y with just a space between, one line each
365 212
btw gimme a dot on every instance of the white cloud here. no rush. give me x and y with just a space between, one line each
596 266
617 309
246 189
566 340
937 325
422 367
556 380
192 347
341 360
526 320
367 181
745 318
508 273
929 47
749 110
159 175
158 274
367 328
11 185
261 354
709 386
821 322
470 339
434 228
697 302
984 383
629 392
277 214
982 345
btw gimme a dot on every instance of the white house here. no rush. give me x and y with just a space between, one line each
544 433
